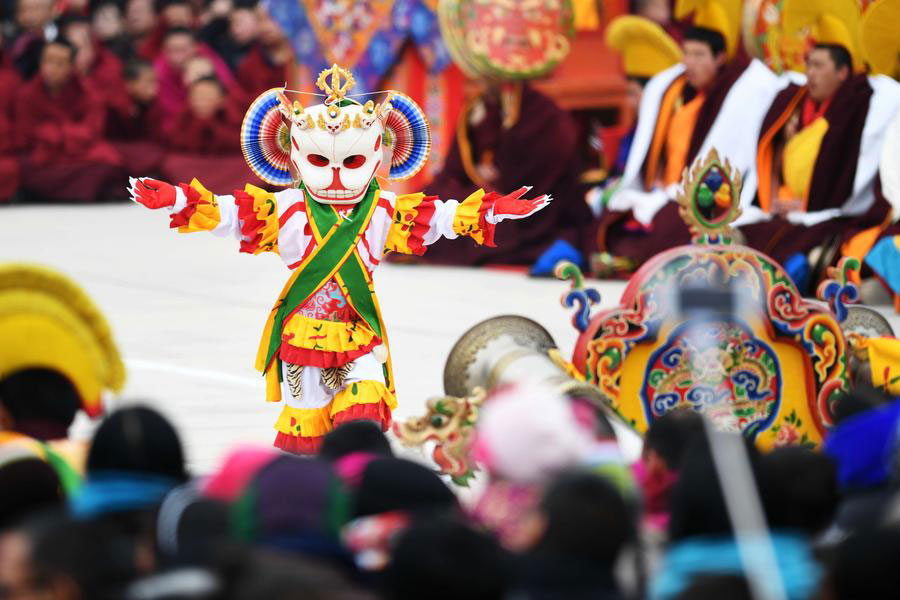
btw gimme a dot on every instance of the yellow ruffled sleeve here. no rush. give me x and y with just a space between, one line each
412 220
470 218
201 213
258 214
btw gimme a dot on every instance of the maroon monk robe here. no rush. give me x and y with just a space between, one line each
539 150
257 73
150 46
208 149
619 234
66 155
105 76
130 121
832 179
220 134
137 133
9 166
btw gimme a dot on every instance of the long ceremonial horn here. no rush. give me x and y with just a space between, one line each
497 352
512 349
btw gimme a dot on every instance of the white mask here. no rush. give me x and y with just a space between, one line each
335 148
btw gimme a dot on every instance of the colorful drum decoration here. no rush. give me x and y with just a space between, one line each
507 40
649 356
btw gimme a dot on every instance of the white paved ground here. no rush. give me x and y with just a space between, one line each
187 312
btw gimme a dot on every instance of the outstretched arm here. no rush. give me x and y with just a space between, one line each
250 215
422 220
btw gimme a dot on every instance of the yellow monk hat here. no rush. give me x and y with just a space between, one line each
47 321
723 16
834 22
645 47
880 37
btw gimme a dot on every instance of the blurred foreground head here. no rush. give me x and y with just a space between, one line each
443 558
585 519
296 506
388 495
52 557
525 437
529 433
57 353
29 485
355 437
702 539
135 459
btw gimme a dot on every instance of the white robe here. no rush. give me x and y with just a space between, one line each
733 134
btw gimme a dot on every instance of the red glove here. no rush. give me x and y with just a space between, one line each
152 193
512 206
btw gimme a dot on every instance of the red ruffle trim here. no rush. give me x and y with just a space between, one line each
298 444
321 359
487 203
251 226
420 225
379 412
183 217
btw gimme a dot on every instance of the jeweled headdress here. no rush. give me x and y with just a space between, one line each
274 129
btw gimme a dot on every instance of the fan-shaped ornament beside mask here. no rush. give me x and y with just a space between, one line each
408 135
266 140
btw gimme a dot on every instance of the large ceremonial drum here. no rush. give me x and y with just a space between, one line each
721 329
507 40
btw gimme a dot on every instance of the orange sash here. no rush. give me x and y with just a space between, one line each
667 108
678 139
764 154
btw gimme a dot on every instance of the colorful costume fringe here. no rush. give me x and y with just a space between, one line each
324 347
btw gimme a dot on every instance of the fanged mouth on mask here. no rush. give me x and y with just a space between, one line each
349 180
336 147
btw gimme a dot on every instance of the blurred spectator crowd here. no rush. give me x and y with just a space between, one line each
93 90
561 517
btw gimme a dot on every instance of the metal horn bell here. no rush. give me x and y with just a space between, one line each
511 349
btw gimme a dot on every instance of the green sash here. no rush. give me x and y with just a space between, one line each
335 254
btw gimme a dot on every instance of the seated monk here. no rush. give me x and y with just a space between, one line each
818 152
139 117
503 134
134 124
179 48
33 20
205 139
646 50
685 111
59 124
209 124
9 166
230 33
267 63
99 68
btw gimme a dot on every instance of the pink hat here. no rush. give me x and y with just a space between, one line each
239 467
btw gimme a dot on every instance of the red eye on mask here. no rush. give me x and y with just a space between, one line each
355 161
317 160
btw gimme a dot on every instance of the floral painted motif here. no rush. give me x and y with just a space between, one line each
327 304
720 369
789 432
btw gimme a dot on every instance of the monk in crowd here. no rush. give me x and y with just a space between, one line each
59 124
685 110
816 168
